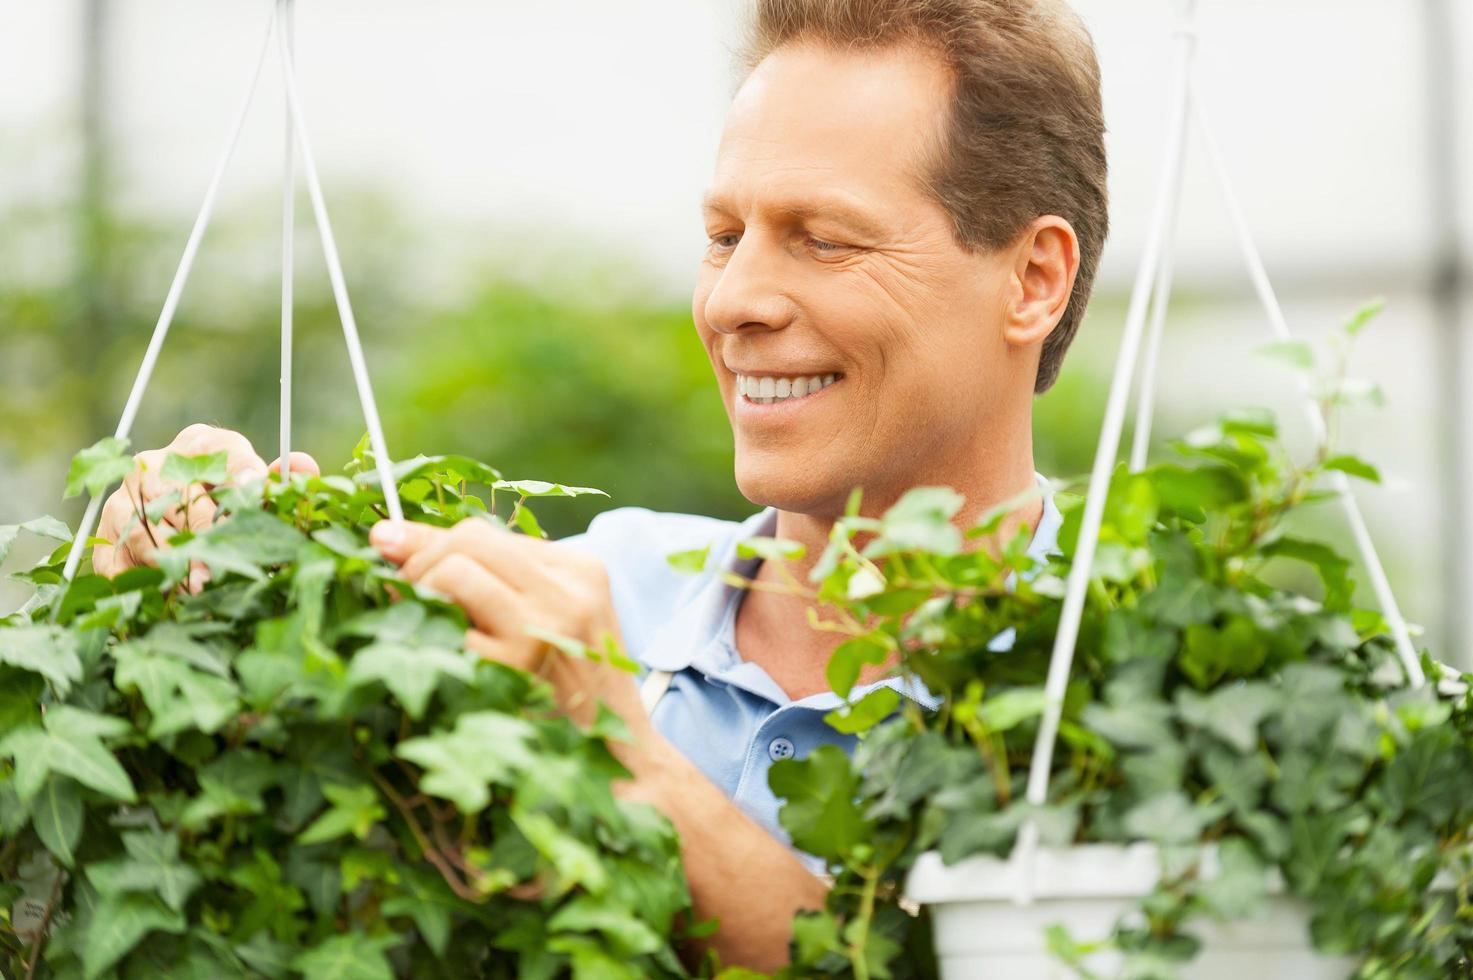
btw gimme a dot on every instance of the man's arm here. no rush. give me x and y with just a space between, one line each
739 873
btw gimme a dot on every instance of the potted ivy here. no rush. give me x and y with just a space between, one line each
300 770
1244 785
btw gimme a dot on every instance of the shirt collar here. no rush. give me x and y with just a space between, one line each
701 633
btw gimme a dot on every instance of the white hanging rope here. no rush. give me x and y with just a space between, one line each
1145 407
288 231
171 304
1062 657
1406 652
340 289
1156 270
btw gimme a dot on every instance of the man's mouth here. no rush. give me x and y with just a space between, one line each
768 389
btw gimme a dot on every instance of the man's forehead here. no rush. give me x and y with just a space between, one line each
863 120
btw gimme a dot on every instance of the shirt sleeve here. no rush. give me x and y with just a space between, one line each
634 544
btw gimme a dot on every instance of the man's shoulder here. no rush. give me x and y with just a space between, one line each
640 536
635 545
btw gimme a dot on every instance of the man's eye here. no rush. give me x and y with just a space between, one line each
725 242
823 247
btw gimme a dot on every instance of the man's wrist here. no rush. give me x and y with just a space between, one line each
650 759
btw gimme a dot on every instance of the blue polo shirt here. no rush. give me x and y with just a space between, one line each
728 716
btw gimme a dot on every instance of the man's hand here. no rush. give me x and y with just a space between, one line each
126 509
507 582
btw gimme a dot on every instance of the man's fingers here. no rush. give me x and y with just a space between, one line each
141 541
398 540
200 439
301 463
502 553
522 657
490 603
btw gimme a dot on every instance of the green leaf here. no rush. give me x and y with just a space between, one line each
50 651
244 543
56 815
46 527
1363 316
119 923
1211 653
1169 818
411 672
691 562
1231 713
425 899
210 468
486 747
770 549
1202 489
627 933
152 867
1354 466
920 521
1332 568
575 862
1429 778
527 521
865 713
1006 710
850 657
537 488
1239 890
820 810
815 934
98 467
1141 725
70 744
970 831
350 956
178 696
1294 353
354 810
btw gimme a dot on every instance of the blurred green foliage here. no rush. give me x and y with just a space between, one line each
531 354
580 373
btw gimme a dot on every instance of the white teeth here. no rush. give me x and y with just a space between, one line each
769 389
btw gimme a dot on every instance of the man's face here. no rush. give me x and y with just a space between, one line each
827 260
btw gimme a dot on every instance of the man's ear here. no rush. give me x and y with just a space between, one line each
1045 261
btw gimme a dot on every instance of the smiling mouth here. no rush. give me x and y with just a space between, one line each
769 389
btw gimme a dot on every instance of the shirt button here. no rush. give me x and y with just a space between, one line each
780 748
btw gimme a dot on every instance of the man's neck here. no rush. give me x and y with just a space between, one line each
773 629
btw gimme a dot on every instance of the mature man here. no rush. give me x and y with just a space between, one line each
906 213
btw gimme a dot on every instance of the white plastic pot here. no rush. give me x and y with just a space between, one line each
983 933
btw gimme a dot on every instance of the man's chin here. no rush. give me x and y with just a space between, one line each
799 486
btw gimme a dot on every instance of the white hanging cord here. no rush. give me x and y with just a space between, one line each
1407 653
340 289
1062 657
1145 406
171 304
288 231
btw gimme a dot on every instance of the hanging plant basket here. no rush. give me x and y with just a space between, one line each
983 931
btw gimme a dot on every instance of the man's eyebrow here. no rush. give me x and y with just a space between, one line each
805 211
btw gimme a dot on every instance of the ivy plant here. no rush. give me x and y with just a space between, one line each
1226 691
299 769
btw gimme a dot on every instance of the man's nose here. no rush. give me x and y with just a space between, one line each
750 291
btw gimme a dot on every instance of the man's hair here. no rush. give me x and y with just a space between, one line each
1026 134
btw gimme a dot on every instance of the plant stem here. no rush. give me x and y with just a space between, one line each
866 916
45 924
